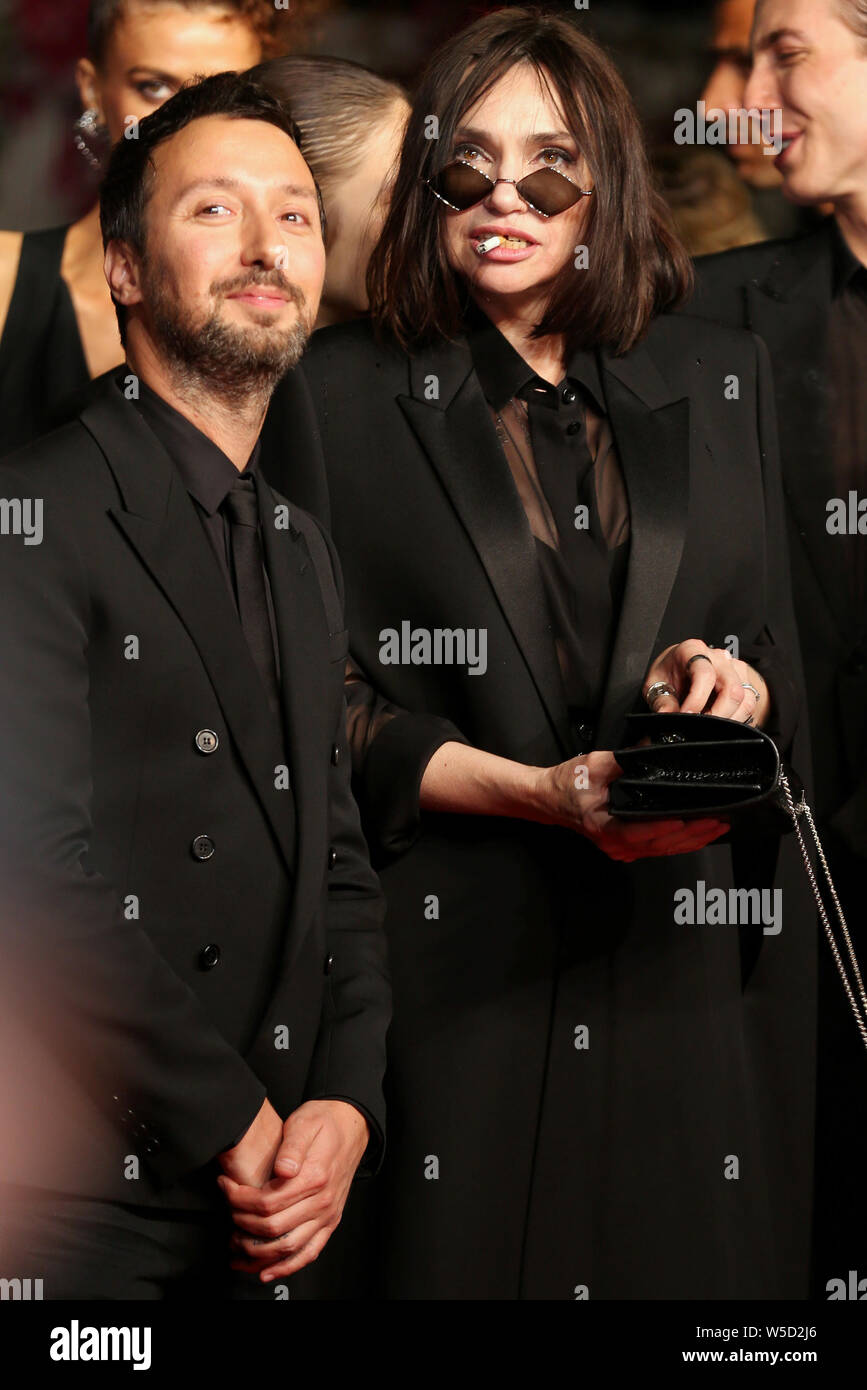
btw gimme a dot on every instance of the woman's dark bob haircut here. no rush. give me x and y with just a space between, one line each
637 266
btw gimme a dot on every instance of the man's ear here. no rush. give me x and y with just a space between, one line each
123 273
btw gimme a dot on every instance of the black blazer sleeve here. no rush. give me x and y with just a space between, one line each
349 1058
139 1032
389 766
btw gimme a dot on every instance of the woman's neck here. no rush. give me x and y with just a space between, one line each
544 355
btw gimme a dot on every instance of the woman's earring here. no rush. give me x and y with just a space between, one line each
87 127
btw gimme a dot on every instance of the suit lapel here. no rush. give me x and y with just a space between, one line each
159 520
651 430
652 434
789 309
458 436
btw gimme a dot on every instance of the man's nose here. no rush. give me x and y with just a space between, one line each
262 244
762 91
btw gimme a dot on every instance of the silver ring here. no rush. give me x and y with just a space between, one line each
658 688
699 656
746 685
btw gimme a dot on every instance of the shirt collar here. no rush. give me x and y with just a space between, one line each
503 372
846 264
207 472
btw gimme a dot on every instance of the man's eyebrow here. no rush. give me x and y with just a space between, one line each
776 34
293 190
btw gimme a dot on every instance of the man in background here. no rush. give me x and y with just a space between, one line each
808 299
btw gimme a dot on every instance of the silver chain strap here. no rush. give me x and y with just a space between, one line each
859 1004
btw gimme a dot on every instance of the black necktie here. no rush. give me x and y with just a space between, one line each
242 508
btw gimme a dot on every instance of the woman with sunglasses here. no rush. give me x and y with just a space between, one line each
556 504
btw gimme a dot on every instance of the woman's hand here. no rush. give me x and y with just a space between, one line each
575 794
706 680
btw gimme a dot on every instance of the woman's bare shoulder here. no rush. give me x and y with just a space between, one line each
10 254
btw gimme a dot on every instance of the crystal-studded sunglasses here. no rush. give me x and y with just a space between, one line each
460 185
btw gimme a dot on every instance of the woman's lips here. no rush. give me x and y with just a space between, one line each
503 251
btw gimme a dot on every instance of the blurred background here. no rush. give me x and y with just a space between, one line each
661 47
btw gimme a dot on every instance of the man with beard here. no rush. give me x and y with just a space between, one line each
192 936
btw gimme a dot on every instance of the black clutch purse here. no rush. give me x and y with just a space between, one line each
697 765
693 766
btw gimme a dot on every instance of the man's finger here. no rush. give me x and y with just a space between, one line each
299 1133
305 1256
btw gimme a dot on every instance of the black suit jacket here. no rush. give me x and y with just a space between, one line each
139 1058
681 445
504 935
782 291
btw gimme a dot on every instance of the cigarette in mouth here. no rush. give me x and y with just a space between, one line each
485 246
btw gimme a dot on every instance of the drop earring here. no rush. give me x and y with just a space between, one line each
88 127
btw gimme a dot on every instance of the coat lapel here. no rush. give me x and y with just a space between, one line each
458 435
159 520
652 433
651 430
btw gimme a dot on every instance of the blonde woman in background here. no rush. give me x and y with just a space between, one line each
352 123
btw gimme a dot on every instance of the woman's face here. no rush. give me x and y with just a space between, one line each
154 49
516 129
356 209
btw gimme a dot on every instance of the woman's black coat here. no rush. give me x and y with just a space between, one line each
670 1156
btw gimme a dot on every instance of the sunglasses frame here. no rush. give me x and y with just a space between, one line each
582 192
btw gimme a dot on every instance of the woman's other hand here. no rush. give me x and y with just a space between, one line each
706 680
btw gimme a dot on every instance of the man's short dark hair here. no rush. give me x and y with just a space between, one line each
128 182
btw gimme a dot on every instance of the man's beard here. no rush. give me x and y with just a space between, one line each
213 358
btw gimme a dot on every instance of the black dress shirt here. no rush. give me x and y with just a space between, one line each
559 445
208 475
847 405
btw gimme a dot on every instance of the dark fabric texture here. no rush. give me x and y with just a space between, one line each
189 917
807 298
523 1164
42 362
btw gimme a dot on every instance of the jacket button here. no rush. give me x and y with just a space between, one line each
335 754
152 1146
207 741
202 847
209 956
574 427
332 857
329 964
570 395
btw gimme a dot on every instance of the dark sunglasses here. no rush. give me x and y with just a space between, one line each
461 185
